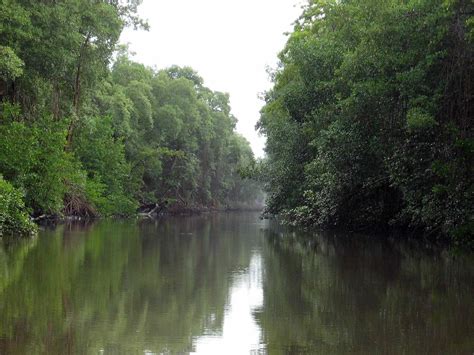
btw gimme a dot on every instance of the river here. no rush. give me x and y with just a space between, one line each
230 284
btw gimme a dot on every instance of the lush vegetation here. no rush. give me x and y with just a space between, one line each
86 131
13 217
370 120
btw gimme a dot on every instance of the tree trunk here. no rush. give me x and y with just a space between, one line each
77 90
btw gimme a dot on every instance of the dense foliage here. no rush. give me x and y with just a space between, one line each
370 120
86 131
13 218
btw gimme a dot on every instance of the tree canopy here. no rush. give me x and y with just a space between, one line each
369 122
85 130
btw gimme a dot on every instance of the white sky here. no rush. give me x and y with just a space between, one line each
228 42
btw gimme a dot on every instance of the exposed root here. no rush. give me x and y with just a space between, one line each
76 203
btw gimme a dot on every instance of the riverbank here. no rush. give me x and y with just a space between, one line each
151 213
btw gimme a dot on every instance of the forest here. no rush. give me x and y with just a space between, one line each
369 123
86 131
134 218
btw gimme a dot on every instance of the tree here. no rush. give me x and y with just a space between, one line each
364 125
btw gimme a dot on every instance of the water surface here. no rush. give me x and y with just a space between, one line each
230 284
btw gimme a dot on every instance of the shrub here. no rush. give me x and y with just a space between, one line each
33 159
14 217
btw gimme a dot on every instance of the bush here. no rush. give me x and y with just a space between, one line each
13 214
33 159
102 156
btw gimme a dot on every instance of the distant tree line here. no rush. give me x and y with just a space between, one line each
370 120
86 131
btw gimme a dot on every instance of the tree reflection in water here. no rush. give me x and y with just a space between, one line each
229 284
123 287
339 294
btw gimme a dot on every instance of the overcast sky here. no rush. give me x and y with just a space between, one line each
229 43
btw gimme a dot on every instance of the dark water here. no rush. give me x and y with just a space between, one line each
229 284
